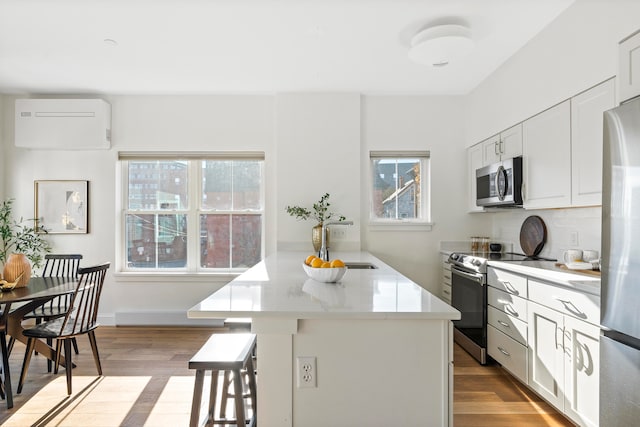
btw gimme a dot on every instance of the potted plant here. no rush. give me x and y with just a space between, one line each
20 243
320 212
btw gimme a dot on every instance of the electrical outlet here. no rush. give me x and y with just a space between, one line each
338 233
573 239
307 372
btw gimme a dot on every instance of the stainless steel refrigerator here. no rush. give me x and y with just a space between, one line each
620 294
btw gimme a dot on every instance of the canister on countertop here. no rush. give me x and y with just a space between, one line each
484 244
475 244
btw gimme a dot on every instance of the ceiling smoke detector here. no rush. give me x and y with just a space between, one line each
439 45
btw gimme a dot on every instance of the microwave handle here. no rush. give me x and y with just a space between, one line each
502 192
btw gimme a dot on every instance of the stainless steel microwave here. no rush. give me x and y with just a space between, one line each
500 184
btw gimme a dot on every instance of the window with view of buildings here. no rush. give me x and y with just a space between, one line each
194 214
399 186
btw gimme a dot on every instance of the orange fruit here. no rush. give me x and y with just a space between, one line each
316 263
337 263
309 259
326 264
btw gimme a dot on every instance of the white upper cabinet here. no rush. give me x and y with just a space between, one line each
587 111
546 146
490 150
505 145
474 161
511 142
629 67
561 150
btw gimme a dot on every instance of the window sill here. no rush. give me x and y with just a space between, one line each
172 277
400 226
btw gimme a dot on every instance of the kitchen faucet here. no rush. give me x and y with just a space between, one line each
324 251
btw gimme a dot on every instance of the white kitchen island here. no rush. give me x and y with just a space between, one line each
383 345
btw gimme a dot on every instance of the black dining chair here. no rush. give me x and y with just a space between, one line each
55 265
80 319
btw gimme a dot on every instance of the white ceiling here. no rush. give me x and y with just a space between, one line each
252 46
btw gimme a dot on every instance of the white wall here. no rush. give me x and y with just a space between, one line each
575 52
421 123
312 145
142 123
318 152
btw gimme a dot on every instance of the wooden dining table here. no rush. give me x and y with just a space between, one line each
24 300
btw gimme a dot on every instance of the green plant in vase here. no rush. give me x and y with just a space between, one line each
319 212
19 237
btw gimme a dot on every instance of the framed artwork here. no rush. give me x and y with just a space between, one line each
62 207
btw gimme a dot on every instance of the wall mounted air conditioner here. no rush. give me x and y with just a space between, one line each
63 124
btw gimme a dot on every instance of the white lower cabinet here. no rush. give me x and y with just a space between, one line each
508 352
581 374
563 362
546 354
507 321
547 336
445 293
509 325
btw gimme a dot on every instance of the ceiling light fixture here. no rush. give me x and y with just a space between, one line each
439 45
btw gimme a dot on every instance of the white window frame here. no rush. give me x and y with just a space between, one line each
193 213
410 224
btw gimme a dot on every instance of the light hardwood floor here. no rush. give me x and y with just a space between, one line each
487 396
147 382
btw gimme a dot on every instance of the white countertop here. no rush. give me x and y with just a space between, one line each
547 270
279 287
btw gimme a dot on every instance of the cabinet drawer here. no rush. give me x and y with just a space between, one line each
508 352
510 304
508 282
446 277
514 327
446 293
567 301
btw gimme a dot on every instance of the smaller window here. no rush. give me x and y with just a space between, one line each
400 186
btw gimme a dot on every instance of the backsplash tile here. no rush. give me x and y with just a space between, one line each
560 223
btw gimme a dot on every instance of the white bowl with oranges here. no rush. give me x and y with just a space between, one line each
324 271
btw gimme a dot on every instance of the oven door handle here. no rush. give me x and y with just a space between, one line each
476 277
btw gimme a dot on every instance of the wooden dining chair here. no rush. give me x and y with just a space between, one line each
80 319
55 265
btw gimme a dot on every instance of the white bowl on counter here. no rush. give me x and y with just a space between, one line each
326 275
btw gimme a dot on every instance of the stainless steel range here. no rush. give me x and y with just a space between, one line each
469 297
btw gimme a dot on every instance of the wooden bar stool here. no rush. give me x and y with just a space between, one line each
228 353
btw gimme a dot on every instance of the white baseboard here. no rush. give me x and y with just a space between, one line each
152 318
